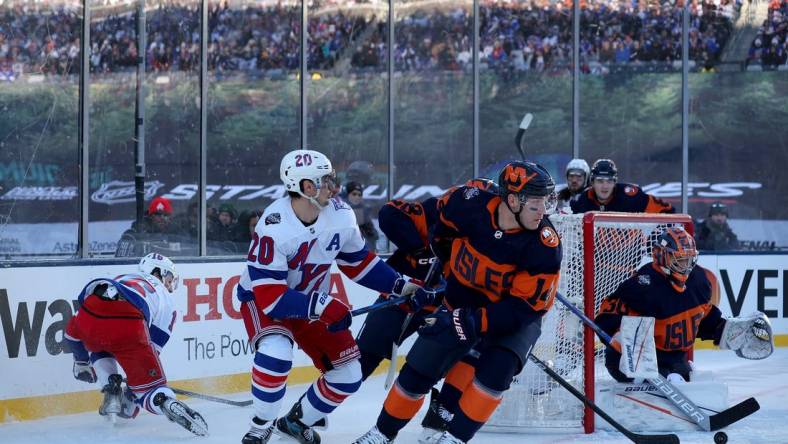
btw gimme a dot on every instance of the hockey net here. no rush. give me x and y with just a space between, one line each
600 250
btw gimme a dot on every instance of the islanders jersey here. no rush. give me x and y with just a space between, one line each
289 260
148 295
406 225
625 198
681 317
511 274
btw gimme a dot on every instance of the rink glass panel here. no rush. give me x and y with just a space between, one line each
737 134
347 102
253 109
111 109
630 98
171 121
432 90
526 67
39 129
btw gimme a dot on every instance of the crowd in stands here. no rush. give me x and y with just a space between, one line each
228 232
526 35
770 46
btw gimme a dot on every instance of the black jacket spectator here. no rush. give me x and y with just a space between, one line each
714 233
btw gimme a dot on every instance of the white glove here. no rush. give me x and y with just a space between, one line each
749 336
405 287
83 371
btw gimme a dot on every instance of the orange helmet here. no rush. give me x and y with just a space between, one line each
675 255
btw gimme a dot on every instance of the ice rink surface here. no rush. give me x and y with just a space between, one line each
766 380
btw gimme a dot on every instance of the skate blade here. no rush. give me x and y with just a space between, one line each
429 436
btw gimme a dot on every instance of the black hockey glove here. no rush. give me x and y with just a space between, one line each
421 298
421 261
460 326
83 371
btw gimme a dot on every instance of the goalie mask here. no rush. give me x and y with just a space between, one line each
163 266
675 255
309 165
527 180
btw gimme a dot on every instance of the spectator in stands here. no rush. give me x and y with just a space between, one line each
714 233
223 227
354 196
247 222
186 223
156 225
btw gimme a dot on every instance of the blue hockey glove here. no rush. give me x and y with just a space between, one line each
421 298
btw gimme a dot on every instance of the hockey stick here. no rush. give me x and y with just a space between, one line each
395 346
634 437
518 139
211 398
383 304
708 423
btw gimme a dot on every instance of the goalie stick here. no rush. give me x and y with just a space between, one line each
395 346
212 398
708 423
634 437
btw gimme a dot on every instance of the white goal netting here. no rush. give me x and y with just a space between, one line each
599 249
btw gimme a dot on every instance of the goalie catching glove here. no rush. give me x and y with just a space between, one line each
749 336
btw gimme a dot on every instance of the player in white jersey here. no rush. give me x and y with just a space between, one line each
284 294
126 322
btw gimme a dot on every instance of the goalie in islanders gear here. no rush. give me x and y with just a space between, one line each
504 259
126 322
284 297
678 294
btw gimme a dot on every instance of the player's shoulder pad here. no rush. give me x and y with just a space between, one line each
548 236
273 222
337 204
629 189
339 213
699 281
643 279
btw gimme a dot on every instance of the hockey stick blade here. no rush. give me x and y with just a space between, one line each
634 437
211 398
733 414
518 139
